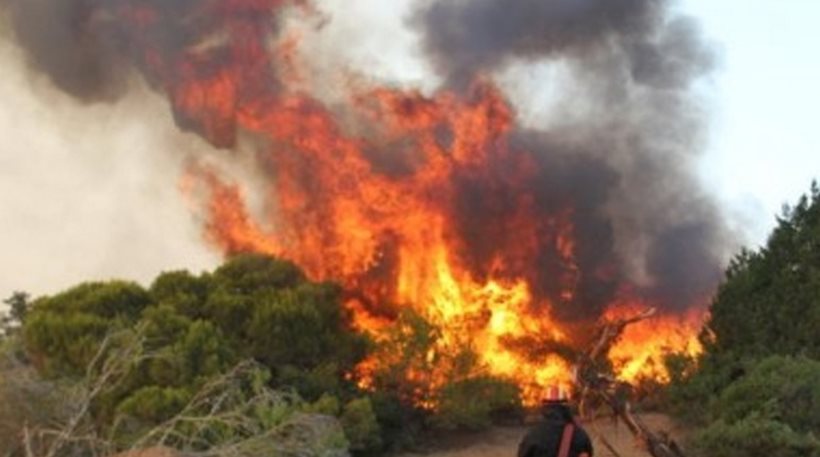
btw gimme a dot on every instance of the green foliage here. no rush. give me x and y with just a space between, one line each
18 304
326 404
770 408
154 404
768 304
179 385
778 388
195 328
754 437
695 384
401 423
361 426
470 404
756 388
770 300
63 332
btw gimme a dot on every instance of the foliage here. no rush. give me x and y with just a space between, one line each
754 437
695 384
233 414
361 426
756 388
158 366
778 388
470 404
772 410
18 304
194 329
770 300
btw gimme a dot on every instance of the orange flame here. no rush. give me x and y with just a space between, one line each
372 202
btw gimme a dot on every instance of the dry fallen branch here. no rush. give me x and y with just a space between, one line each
593 384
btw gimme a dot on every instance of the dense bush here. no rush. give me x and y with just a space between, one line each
773 409
756 388
778 388
185 331
361 426
471 403
754 437
195 328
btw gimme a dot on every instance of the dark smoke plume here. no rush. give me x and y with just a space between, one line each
624 155
87 48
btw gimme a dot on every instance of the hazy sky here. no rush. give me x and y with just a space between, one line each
91 191
765 147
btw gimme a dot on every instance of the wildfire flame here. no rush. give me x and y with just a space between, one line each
374 198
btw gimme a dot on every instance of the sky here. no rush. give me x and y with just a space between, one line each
765 141
91 192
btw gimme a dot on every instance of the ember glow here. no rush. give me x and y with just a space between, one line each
438 213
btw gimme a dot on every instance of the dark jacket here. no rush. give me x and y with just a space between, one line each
544 439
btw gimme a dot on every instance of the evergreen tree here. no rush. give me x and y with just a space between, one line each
770 301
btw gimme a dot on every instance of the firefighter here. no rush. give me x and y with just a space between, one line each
557 435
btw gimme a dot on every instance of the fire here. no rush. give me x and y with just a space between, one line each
412 202
391 241
640 351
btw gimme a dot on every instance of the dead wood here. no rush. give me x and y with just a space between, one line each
595 384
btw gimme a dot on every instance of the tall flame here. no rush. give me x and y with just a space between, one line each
409 201
391 240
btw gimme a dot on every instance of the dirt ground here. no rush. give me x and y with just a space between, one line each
503 441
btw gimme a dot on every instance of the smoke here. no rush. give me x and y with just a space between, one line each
89 191
618 164
87 48
627 128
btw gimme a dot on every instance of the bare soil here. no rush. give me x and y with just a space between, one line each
503 441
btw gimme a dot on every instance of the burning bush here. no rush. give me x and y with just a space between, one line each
190 330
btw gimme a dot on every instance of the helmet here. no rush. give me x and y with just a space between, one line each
556 394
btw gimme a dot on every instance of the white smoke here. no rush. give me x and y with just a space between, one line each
89 192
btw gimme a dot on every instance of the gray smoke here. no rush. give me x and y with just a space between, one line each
88 48
631 128
621 158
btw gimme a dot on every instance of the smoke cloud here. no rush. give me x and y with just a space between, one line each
89 192
631 124
630 127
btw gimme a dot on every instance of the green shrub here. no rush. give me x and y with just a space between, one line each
779 388
154 404
695 384
470 404
326 404
193 329
361 427
401 422
754 436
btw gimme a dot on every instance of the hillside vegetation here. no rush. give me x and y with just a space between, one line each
253 359
756 389
216 361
